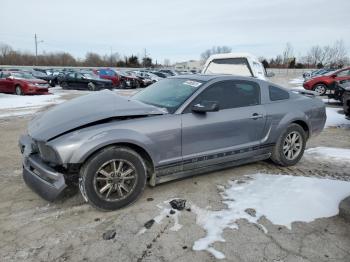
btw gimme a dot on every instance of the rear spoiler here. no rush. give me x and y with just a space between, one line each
305 92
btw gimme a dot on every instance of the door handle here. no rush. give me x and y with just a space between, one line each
256 116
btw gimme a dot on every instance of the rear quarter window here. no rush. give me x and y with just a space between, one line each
277 93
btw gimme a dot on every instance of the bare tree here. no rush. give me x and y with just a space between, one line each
287 53
215 50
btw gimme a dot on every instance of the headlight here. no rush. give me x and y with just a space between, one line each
47 153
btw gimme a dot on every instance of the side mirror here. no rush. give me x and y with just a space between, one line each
205 106
270 74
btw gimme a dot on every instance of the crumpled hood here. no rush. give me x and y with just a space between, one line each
86 110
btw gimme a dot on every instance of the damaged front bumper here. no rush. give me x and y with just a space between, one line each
39 176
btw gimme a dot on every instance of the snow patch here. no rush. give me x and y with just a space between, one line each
281 199
329 153
335 119
297 81
13 105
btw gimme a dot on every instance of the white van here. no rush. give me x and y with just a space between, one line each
242 64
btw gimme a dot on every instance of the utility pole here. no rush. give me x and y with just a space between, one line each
36 48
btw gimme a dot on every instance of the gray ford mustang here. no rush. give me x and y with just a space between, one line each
110 146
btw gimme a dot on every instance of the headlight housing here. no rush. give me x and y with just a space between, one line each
47 153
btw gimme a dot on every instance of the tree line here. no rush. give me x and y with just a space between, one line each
9 56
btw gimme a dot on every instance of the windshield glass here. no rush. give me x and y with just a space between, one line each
231 66
168 93
20 75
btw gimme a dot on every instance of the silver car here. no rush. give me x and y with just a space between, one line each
111 146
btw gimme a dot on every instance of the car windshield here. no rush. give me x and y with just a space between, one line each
21 75
168 93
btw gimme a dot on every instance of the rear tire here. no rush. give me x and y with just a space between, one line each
320 89
64 85
103 184
91 86
18 90
290 146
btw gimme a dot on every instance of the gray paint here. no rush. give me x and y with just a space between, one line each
175 138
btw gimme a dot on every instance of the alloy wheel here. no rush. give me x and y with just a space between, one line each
292 145
115 180
320 89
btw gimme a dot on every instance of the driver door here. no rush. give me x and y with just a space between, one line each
231 133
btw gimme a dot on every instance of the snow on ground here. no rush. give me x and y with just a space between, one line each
335 119
282 199
13 105
329 153
297 81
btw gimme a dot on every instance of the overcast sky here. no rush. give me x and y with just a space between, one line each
174 29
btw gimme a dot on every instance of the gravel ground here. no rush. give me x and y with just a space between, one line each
70 230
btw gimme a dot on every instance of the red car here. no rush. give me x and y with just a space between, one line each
325 82
22 83
109 74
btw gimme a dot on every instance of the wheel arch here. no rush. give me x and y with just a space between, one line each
137 148
304 125
320 83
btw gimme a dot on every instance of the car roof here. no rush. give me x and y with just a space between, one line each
207 78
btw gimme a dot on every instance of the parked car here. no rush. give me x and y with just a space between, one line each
318 72
160 74
22 83
84 81
175 128
143 80
326 83
339 90
145 74
128 80
109 74
241 64
48 78
346 98
169 72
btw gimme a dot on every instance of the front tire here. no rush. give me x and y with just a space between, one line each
113 178
18 90
320 89
290 146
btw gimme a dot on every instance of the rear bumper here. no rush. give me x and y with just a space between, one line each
307 86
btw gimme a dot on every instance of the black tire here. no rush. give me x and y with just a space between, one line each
18 90
91 86
122 85
279 156
89 173
64 85
52 83
321 89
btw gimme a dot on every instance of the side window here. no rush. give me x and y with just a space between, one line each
277 93
230 94
5 75
71 75
344 73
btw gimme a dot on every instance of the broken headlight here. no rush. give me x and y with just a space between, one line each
47 153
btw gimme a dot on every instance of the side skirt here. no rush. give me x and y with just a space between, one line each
207 169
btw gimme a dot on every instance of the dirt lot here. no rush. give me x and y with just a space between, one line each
70 230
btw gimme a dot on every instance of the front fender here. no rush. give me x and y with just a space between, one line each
76 147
